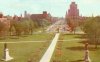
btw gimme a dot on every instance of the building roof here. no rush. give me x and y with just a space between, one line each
37 16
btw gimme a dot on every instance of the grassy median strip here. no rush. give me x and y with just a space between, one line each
24 52
73 51
34 37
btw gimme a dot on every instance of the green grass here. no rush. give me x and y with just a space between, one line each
22 52
73 51
34 37
70 36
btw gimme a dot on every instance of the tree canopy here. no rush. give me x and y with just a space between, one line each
92 28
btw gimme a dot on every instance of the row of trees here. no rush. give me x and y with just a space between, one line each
24 26
92 29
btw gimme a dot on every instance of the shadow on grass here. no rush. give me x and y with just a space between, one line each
17 37
77 61
81 36
86 41
2 38
13 37
76 48
81 48
89 42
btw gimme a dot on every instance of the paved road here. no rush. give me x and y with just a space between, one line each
48 54
60 24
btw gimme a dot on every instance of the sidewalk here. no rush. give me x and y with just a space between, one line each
48 54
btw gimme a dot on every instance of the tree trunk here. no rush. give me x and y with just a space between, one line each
96 44
74 31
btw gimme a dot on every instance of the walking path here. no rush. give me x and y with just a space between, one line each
48 54
23 42
73 40
44 41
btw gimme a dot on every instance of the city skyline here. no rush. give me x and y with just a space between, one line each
54 7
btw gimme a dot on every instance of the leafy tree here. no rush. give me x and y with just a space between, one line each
32 26
18 28
1 28
44 23
72 24
92 28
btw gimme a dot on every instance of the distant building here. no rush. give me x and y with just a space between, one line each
72 15
44 15
17 18
54 19
26 15
1 15
73 11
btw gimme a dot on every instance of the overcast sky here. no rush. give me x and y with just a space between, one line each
55 7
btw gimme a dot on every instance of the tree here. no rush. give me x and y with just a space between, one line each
72 24
1 28
23 27
44 23
18 27
92 28
4 27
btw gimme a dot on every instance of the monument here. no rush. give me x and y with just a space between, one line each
6 56
86 58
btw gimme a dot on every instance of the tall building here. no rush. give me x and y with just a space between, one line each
72 16
73 11
25 14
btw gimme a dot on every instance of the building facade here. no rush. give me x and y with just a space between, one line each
73 11
42 16
72 16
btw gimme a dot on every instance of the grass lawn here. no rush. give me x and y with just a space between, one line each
22 52
73 51
34 37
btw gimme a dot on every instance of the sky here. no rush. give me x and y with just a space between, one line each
56 8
